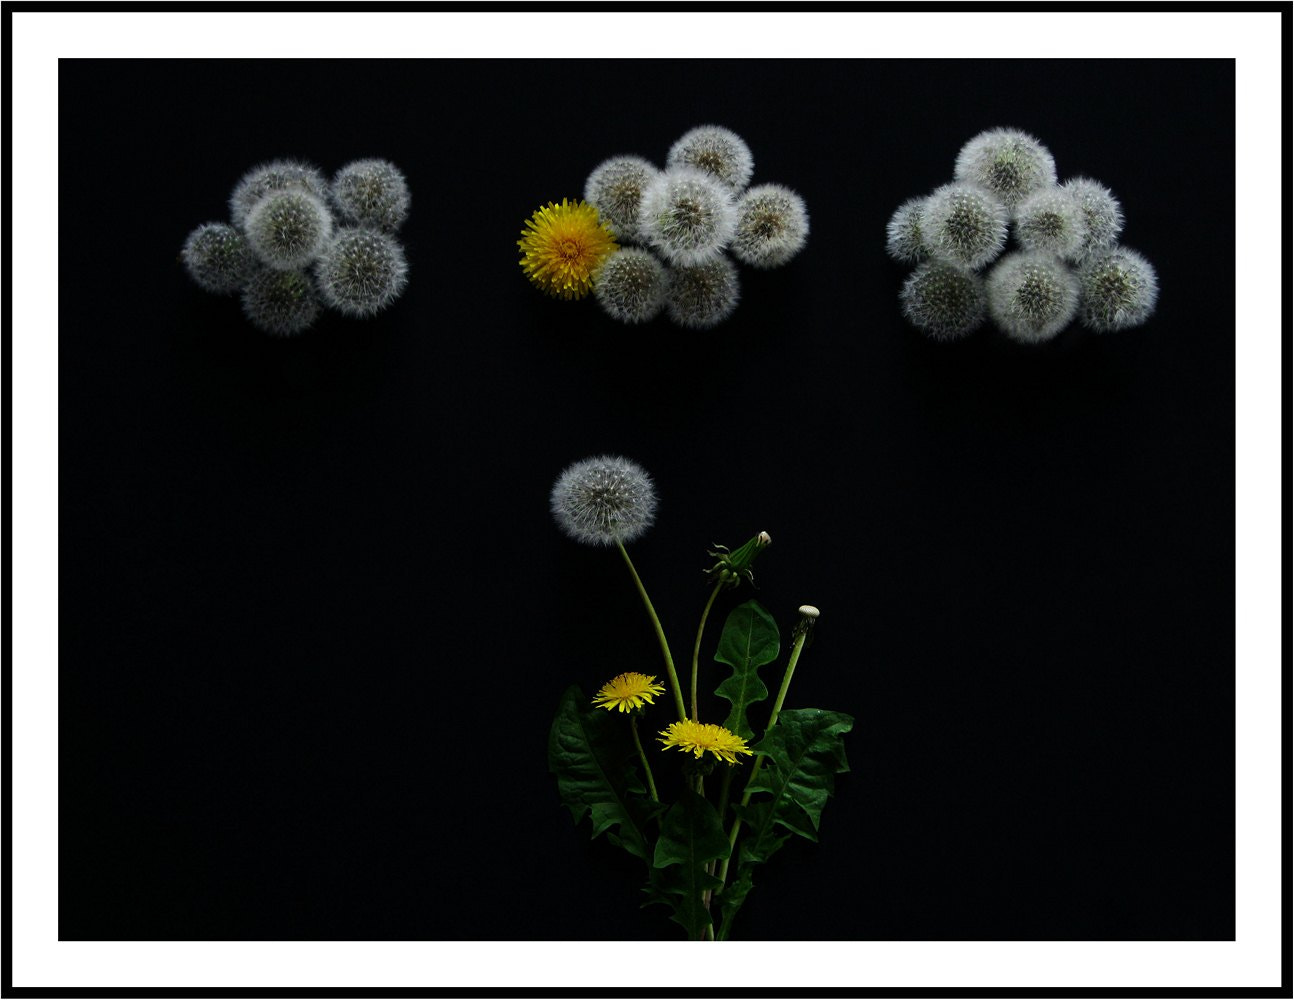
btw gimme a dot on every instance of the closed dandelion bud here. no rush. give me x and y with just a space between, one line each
278 175
1051 221
361 272
218 258
1007 162
963 224
371 193
942 300
772 226
615 189
703 295
718 151
731 568
631 286
1031 296
607 500
903 239
1119 290
288 229
280 302
687 215
1101 211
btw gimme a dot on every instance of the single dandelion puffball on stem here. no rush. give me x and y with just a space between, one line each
718 151
1051 221
1119 289
687 216
371 193
963 224
903 233
942 300
703 295
361 272
607 500
772 226
1008 162
631 286
615 189
218 258
1031 296
280 302
277 175
1101 211
288 229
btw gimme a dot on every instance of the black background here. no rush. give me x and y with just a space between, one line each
315 617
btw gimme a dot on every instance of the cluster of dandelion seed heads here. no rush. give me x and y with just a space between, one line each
606 500
1069 263
615 188
631 286
284 252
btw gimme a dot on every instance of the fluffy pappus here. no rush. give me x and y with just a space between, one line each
217 258
1101 211
615 188
279 302
772 226
1031 296
361 271
277 175
687 216
1119 289
1010 163
631 286
718 151
942 300
703 295
606 500
903 233
963 224
371 192
1051 221
288 229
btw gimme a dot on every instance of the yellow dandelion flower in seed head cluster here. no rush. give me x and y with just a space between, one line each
699 737
562 248
627 692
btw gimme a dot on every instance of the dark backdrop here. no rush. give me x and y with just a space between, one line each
315 617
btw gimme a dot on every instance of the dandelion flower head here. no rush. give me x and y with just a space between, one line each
607 500
700 737
628 691
562 248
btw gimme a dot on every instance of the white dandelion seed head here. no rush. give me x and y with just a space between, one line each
631 286
615 188
373 193
1031 296
361 271
903 233
279 302
772 226
288 229
1102 212
703 295
1051 221
217 257
1008 162
718 151
604 501
963 224
944 301
1119 289
277 175
687 216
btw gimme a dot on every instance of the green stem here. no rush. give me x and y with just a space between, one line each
696 647
660 633
651 781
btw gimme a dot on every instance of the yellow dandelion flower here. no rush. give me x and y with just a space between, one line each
562 248
627 692
702 736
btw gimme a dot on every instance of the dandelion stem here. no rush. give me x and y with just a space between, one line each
651 781
660 634
696 648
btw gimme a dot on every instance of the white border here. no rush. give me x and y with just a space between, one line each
39 39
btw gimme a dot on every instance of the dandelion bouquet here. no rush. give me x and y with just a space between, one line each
724 802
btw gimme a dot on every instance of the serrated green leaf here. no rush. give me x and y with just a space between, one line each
730 899
691 836
749 641
591 753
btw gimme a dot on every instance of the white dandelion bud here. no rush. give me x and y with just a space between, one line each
615 188
277 175
963 224
218 258
1119 289
1051 221
288 229
687 215
703 295
280 302
772 226
1101 211
1008 162
607 500
903 233
718 151
942 300
1031 296
631 286
371 193
361 272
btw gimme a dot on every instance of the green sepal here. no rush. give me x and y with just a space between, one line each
691 836
749 641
